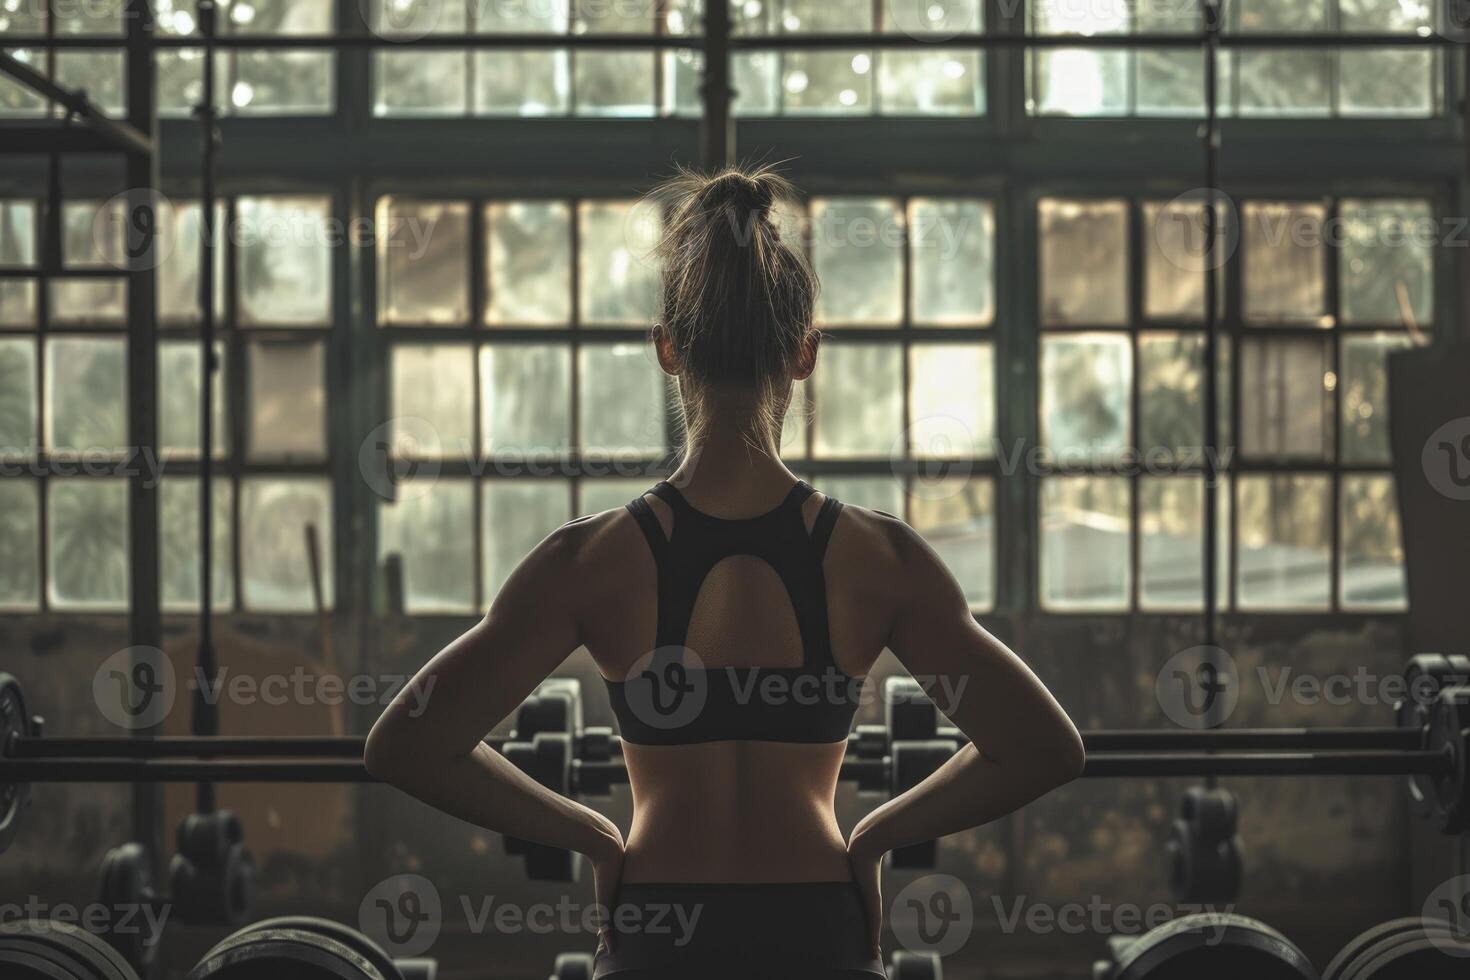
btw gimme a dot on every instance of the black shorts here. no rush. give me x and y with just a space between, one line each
806 931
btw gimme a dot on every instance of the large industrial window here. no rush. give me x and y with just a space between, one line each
517 364
1314 295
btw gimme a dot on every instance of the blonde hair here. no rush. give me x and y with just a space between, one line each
735 300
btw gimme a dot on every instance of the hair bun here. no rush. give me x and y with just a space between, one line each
749 194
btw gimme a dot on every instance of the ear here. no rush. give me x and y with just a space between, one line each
806 361
663 346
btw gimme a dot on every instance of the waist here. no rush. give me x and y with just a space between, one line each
739 929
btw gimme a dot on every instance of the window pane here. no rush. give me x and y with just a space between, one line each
1283 263
952 251
284 261
614 83
1171 543
17 303
92 238
1171 396
883 493
1282 15
858 391
526 398
951 400
17 233
941 82
530 265
821 16
518 515
15 98
1084 262
622 405
435 383
756 75
18 436
1286 398
1284 541
178 502
98 73
1085 543
1387 261
20 542
1372 549
1085 384
180 240
857 252
420 83
288 400
940 16
619 278
1384 15
1076 82
957 517
683 75
86 395
87 541
1175 258
274 514
430 525
827 83
1365 396
523 83
87 302
1172 83
423 272
1388 83
180 378
1284 82
284 83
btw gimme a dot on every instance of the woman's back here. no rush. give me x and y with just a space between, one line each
747 809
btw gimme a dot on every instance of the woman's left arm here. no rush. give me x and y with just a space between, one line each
428 742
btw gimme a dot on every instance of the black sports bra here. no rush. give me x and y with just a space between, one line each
669 698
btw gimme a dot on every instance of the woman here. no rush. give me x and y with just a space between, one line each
733 619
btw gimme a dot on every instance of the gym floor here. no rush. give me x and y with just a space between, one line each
1196 487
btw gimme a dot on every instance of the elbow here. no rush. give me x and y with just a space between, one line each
1069 757
382 755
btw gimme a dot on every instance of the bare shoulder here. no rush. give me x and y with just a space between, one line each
876 540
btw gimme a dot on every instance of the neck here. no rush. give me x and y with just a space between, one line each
727 463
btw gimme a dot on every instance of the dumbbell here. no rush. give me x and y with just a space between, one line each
48 950
300 947
550 744
1204 850
1424 678
211 882
1209 946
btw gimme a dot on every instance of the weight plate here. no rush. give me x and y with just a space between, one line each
1449 721
336 931
59 942
284 954
1337 969
1214 946
15 722
125 887
25 964
1422 957
1413 713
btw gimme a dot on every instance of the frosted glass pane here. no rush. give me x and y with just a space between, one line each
287 387
86 395
530 265
284 261
858 395
435 383
857 252
1284 542
952 255
87 542
423 262
622 404
431 528
1085 543
526 398
1084 262
274 514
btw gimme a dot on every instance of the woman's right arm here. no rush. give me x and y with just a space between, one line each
1022 744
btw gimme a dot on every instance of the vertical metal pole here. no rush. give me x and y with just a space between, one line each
717 133
1212 11
206 711
145 619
